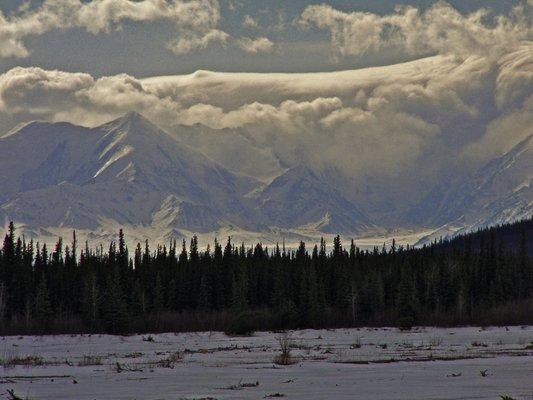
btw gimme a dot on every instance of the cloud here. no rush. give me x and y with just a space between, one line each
290 116
196 22
40 93
258 45
439 30
515 77
413 119
250 22
234 5
514 100
191 42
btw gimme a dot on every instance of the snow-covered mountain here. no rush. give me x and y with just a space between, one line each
128 172
235 149
499 192
300 198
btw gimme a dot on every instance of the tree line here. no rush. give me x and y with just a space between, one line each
485 277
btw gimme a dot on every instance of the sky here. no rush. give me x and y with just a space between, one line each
138 44
402 92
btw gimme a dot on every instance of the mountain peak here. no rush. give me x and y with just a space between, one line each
132 124
301 169
133 118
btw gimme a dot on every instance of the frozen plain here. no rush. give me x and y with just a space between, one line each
365 363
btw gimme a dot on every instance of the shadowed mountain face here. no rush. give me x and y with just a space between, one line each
132 173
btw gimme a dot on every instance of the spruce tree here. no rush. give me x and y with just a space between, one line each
406 300
43 306
114 311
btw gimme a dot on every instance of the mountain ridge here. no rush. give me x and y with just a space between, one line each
130 172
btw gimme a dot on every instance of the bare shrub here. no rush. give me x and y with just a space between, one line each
300 345
11 359
171 360
357 342
29 361
285 344
135 354
89 359
454 375
7 356
126 368
12 396
242 385
435 341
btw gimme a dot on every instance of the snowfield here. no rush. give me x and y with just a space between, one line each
366 363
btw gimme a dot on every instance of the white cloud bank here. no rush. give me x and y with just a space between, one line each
196 22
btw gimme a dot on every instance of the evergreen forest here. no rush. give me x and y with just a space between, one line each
485 277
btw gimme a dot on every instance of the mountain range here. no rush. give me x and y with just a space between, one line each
130 173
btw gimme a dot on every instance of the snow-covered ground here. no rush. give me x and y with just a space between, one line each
366 363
